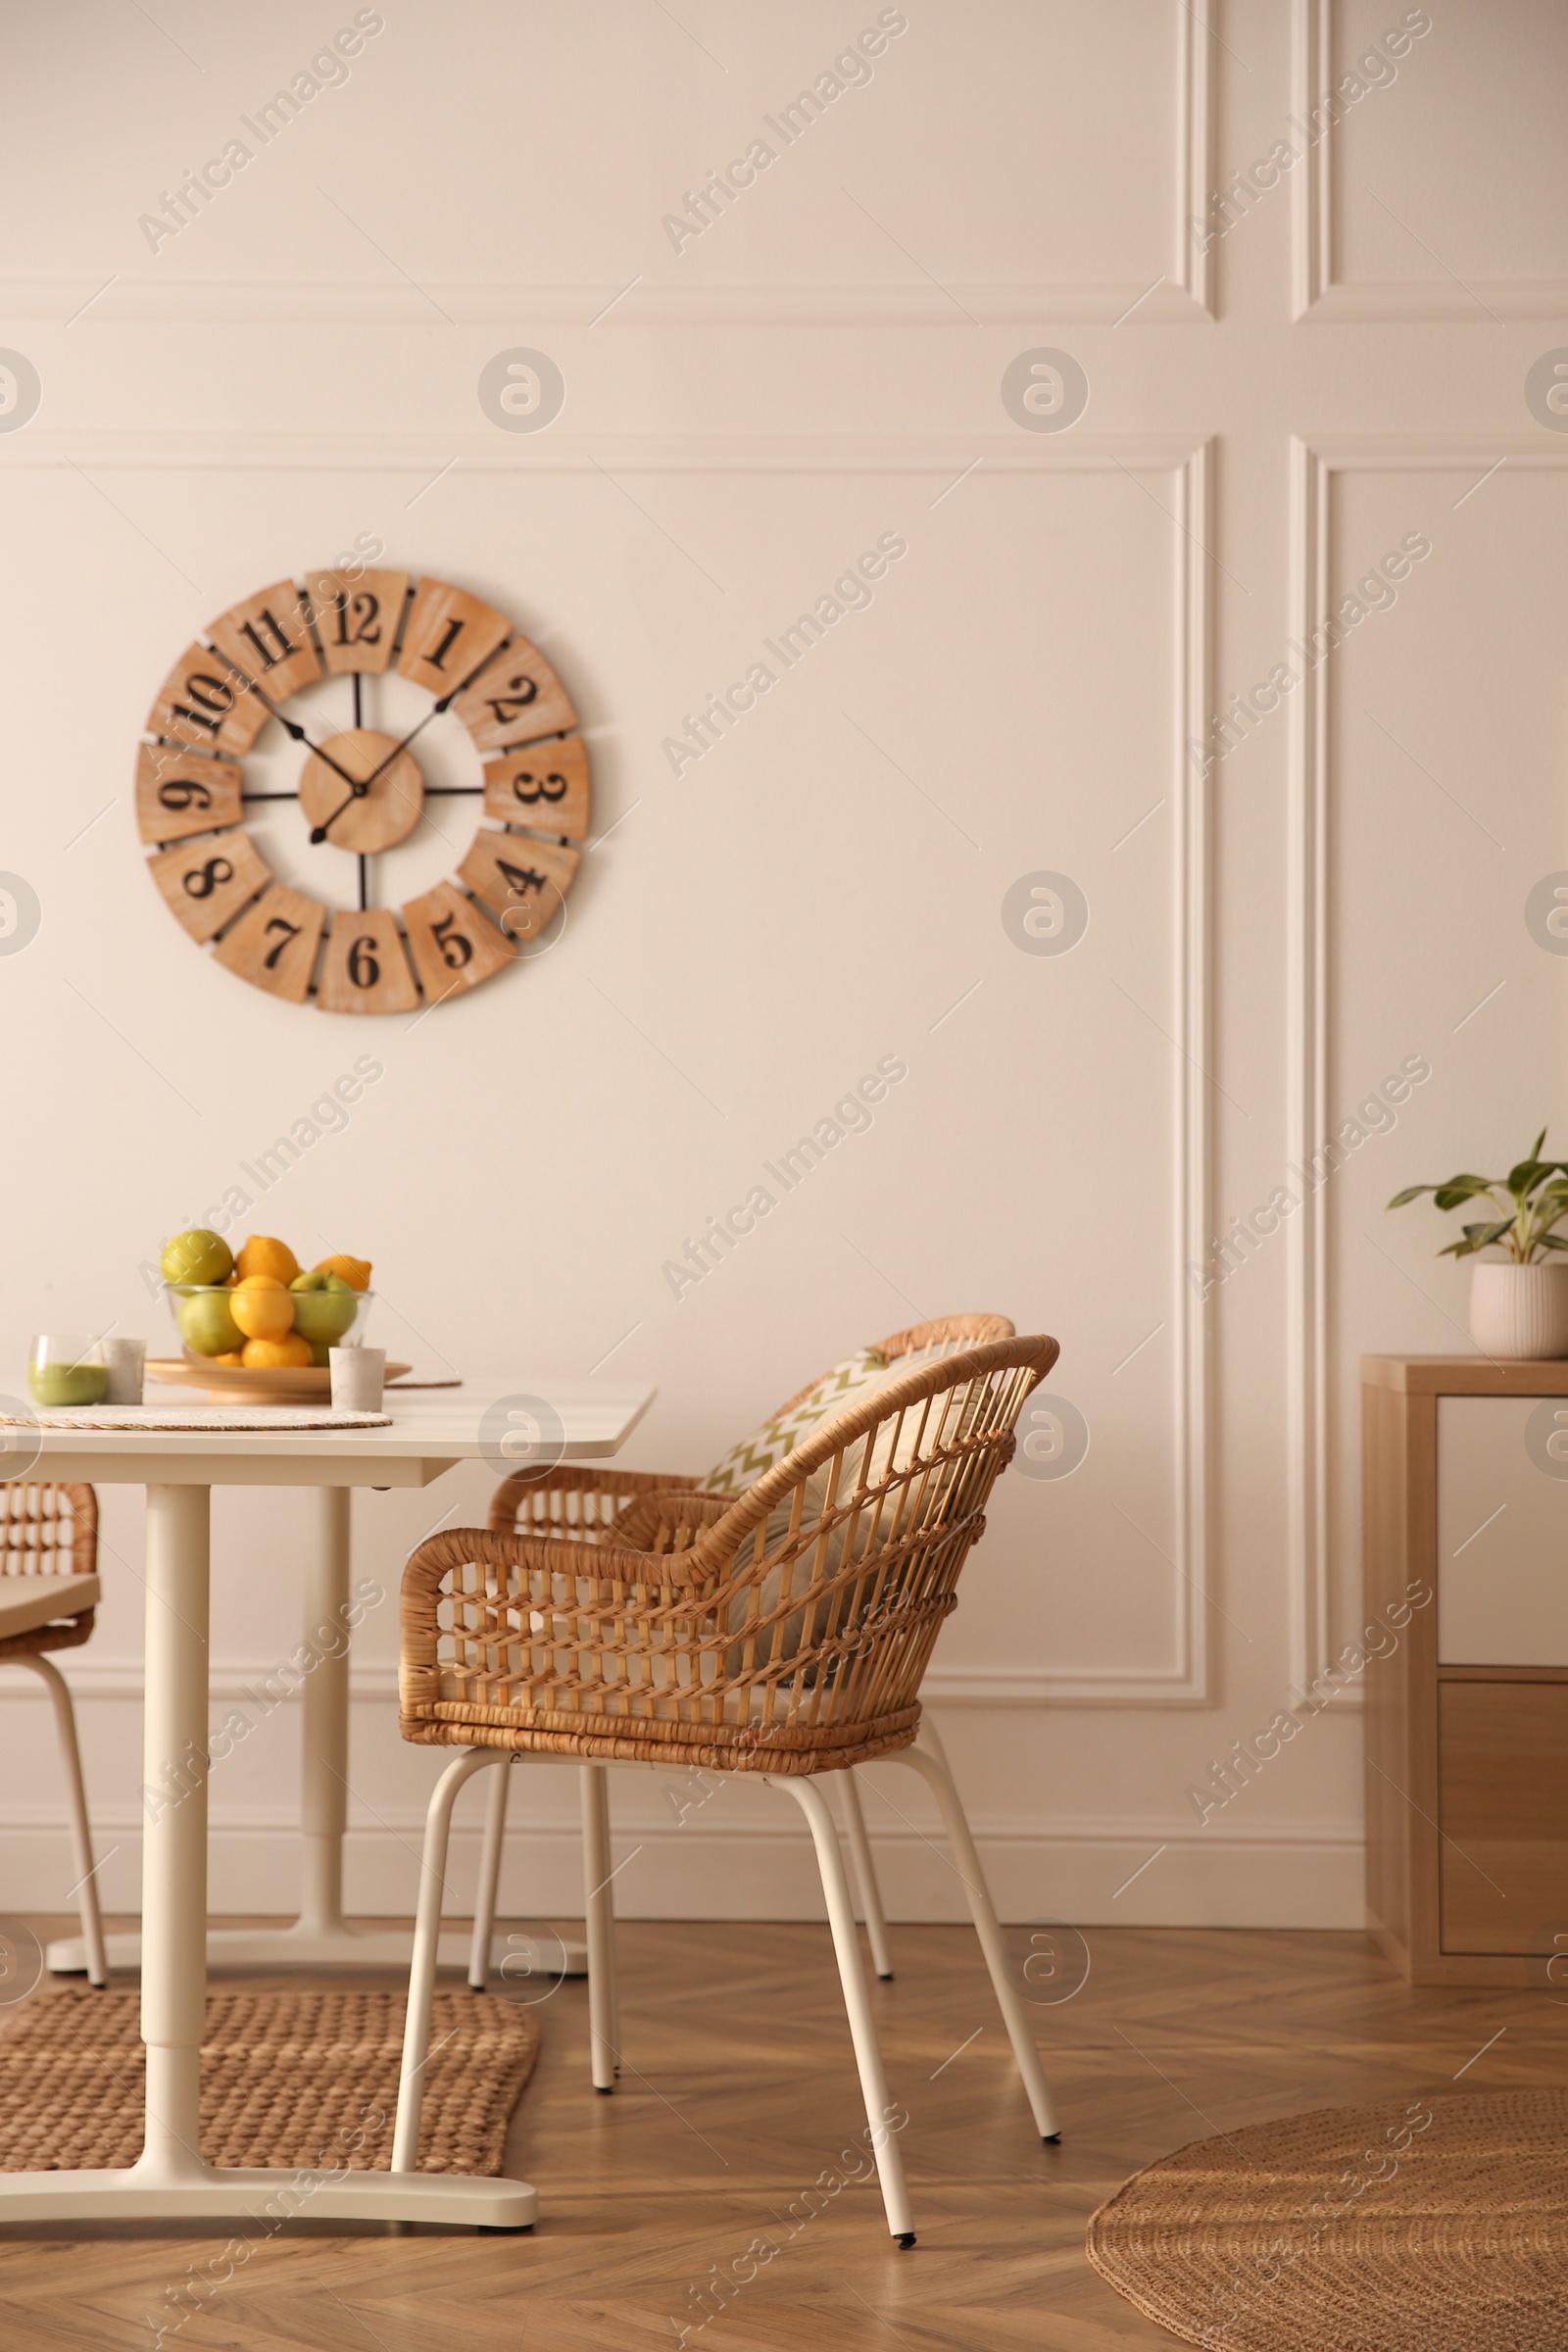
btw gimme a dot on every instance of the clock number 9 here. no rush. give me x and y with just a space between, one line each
363 971
456 948
548 788
202 881
182 792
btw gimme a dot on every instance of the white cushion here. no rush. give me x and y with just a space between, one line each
27 1601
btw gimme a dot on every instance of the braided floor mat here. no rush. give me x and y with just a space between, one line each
288 2079
1425 2226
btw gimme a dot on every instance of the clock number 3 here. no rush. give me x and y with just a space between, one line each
540 788
456 948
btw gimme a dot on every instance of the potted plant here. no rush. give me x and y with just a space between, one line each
1518 1301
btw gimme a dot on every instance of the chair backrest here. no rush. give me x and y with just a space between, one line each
795 1618
48 1528
949 1334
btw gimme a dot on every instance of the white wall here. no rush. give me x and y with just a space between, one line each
821 366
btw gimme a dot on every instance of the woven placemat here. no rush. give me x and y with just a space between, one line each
1357 2230
288 2079
219 1417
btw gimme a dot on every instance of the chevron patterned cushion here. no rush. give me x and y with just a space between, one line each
893 1448
745 1463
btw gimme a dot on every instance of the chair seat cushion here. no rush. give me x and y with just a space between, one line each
28 1602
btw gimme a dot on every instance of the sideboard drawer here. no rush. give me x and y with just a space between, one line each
1502 1537
1503 1764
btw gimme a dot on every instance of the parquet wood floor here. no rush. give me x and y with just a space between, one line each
739 2089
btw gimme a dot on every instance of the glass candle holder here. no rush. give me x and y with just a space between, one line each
66 1369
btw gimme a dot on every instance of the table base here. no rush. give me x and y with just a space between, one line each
345 1946
208 2192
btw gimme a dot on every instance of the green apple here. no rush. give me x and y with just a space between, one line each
198 1256
324 1314
308 1282
206 1326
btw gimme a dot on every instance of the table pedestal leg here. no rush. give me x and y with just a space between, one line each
325 1743
169 2180
174 1870
321 1936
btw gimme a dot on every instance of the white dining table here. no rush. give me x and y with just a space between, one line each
425 1437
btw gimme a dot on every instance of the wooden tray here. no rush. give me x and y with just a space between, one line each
241 1384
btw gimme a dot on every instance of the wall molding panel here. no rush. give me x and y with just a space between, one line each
1183 471
1180 295
1317 295
1310 984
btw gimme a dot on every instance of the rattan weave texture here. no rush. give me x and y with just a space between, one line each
1424 2226
785 1630
288 2079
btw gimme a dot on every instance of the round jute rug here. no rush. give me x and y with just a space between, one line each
1425 2226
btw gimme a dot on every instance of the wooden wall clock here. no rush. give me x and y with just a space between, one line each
361 791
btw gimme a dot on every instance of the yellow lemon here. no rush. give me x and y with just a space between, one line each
262 1255
272 1355
262 1307
235 1356
355 1271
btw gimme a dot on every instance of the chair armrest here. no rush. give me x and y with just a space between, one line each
538 1503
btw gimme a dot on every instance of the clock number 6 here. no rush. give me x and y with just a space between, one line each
363 971
456 948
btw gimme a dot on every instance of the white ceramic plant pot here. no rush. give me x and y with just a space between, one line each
1519 1310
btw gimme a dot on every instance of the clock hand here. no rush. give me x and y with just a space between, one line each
434 712
357 791
293 728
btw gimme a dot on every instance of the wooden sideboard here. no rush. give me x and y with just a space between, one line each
1466 1498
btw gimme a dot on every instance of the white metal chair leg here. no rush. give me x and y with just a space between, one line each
876 1926
426 1946
982 1911
930 1738
599 1905
879 2108
484 1901
86 1888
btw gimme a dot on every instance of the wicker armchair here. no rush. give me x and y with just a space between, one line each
783 1632
49 1592
579 1505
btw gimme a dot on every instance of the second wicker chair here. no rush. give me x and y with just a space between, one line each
782 1633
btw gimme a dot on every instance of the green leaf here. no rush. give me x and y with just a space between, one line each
1552 1241
1478 1237
1460 1189
1528 1172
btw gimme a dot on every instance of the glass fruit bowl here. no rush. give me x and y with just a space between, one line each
268 1328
